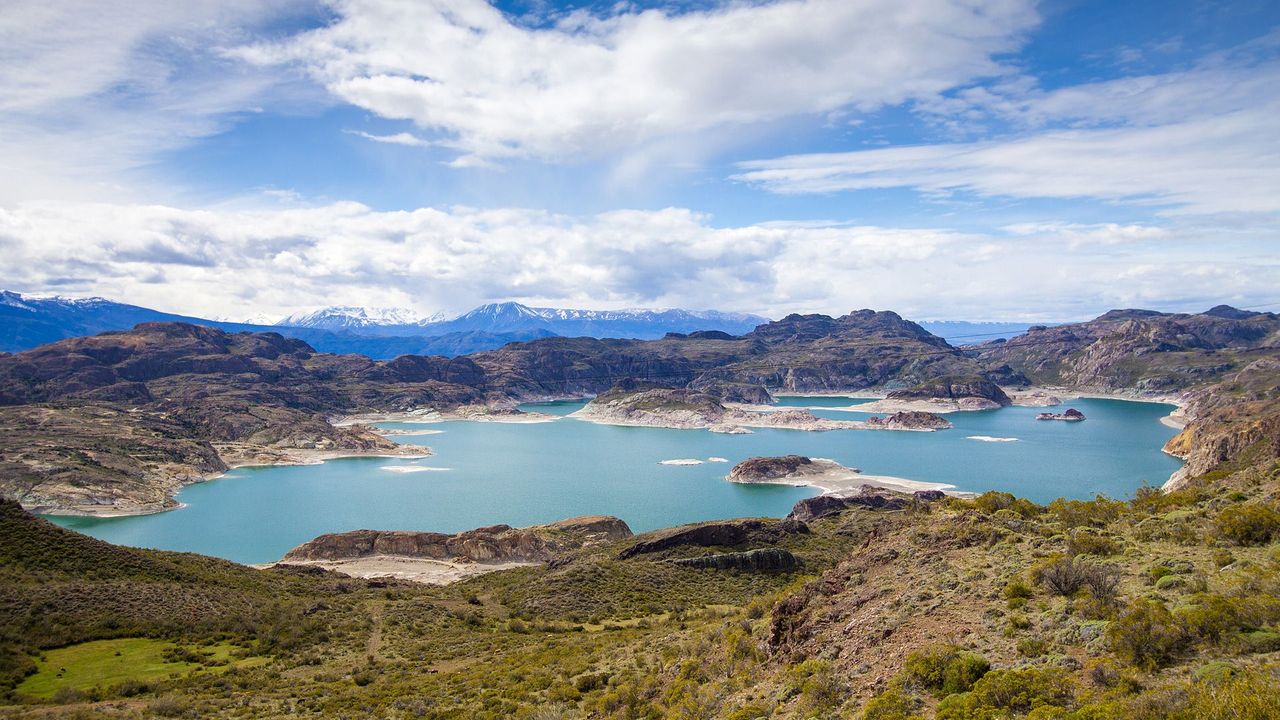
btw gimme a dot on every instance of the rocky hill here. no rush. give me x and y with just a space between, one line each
1139 350
799 353
118 421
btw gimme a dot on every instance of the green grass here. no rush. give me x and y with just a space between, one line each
107 663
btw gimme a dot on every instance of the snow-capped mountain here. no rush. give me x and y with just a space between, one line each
27 321
512 317
355 319
636 323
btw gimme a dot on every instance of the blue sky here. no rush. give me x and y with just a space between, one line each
979 159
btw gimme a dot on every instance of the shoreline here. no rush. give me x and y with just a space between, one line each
299 457
430 416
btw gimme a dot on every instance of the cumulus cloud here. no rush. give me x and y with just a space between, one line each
246 263
592 84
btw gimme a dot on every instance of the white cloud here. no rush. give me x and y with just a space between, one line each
401 138
590 85
1200 141
1228 163
274 262
91 90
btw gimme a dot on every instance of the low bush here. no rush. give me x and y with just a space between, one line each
944 669
1001 693
1148 635
892 704
1253 524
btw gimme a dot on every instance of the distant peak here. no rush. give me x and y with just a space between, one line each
1230 313
340 316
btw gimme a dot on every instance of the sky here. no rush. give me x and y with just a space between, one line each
946 159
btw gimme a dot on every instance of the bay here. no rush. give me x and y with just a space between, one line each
528 473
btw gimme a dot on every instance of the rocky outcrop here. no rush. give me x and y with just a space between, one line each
714 534
497 543
761 560
911 420
969 392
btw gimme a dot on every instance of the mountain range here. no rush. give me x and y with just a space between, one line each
384 333
512 317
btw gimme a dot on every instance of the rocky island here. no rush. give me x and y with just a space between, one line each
684 409
1069 415
910 420
829 476
678 408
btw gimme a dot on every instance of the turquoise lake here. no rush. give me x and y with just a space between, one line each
523 474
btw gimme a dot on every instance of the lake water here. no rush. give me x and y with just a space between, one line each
523 474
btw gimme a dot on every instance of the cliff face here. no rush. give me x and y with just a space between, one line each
497 543
1234 423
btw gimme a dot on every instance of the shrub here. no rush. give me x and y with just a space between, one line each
991 502
1265 640
1003 692
1148 635
1032 647
1089 542
944 669
892 704
168 707
1063 575
1076 513
815 683
1017 593
1249 695
588 682
749 712
1102 582
1253 524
